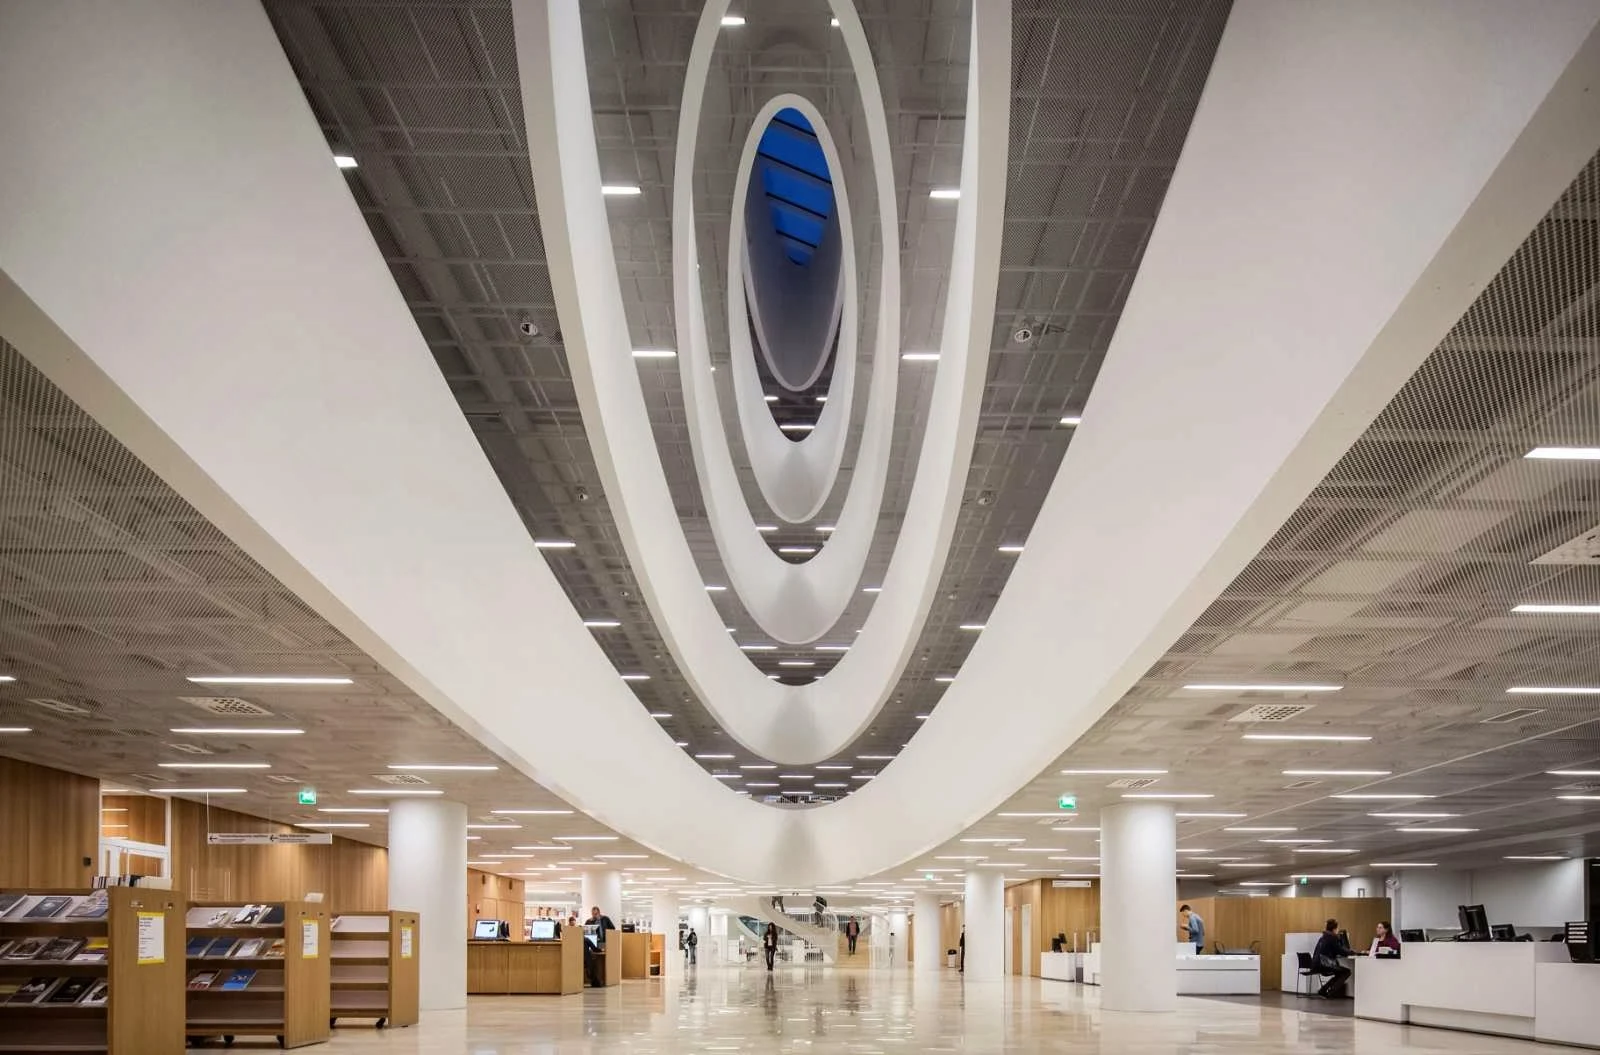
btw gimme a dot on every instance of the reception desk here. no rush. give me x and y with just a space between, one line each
499 968
1515 989
635 948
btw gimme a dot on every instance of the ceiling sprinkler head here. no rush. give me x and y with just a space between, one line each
1022 335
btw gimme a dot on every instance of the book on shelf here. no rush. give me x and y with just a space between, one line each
273 916
60 949
274 951
247 915
220 918
9 902
221 947
5 946
27 949
203 980
96 996
49 907
248 948
197 946
95 906
34 990
238 980
94 951
70 991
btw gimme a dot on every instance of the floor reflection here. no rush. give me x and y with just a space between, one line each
816 1010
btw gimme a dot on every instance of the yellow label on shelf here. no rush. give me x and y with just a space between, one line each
405 943
152 938
308 938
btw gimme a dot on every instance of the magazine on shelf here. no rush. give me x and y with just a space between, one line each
203 980
197 946
94 951
61 949
221 947
220 918
274 951
249 948
96 996
70 991
49 907
9 902
27 949
273 916
238 980
34 990
95 906
247 915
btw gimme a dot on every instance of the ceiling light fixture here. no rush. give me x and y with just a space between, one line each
14 729
328 824
1169 795
1435 831
394 791
493 827
1536 857
654 353
532 813
345 161
258 679
831 766
621 190
796 663
945 193
1579 798
732 20
198 791
1010 549
585 838
1557 609
872 589
798 551
636 677
1268 829
1554 690
1331 738
554 543
920 357
661 716
1113 772
213 765
443 767
352 809
1246 687
228 730
798 426
1566 454
758 648
1337 772
1414 816
712 758
1210 816
1402 864
1379 796
1573 772
1072 421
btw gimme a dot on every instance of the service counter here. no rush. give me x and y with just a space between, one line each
635 953
499 968
1197 975
1515 989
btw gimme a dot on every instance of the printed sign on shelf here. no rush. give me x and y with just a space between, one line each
405 943
308 938
152 938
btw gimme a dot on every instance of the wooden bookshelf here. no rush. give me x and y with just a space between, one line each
143 1009
287 996
374 967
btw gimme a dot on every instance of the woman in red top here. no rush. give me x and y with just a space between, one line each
1385 939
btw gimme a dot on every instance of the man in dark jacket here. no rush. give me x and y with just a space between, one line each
1325 960
852 931
769 943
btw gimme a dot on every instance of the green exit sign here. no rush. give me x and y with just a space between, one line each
308 796
1305 880
1068 802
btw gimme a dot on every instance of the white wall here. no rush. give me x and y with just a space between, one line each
1530 895
1360 886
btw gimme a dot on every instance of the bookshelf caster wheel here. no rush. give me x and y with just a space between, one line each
382 1022
280 1040
227 1040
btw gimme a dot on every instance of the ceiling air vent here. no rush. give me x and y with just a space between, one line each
1297 785
1585 549
1582 787
191 749
399 778
232 706
282 778
1272 712
1507 717
1132 782
75 705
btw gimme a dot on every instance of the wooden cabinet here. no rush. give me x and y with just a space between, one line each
258 970
374 967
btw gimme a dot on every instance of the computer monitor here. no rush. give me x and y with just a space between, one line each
543 930
1503 932
1413 935
1474 922
488 930
1580 942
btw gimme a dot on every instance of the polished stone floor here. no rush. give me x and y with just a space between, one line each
818 1010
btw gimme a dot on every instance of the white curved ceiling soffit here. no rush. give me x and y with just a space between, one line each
1457 148
794 724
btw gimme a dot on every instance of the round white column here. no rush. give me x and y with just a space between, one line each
664 920
985 919
1138 911
428 875
602 888
929 948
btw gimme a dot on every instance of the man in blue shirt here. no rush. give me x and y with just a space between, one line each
1196 927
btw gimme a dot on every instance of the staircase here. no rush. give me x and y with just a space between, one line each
825 938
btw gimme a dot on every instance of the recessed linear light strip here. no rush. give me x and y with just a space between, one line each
443 767
231 730
213 765
266 679
1245 687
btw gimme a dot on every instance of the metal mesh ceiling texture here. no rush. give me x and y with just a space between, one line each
1397 580
426 98
114 591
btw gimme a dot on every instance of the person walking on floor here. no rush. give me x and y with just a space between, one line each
962 968
690 944
769 943
852 931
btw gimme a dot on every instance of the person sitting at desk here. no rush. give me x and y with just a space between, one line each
1325 960
1384 942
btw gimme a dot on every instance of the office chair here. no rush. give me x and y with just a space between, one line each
1303 959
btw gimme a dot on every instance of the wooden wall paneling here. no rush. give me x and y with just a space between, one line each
950 918
492 896
144 818
1070 911
49 824
352 875
1236 922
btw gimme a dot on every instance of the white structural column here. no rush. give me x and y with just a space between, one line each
1138 865
602 888
428 875
985 920
929 946
664 920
